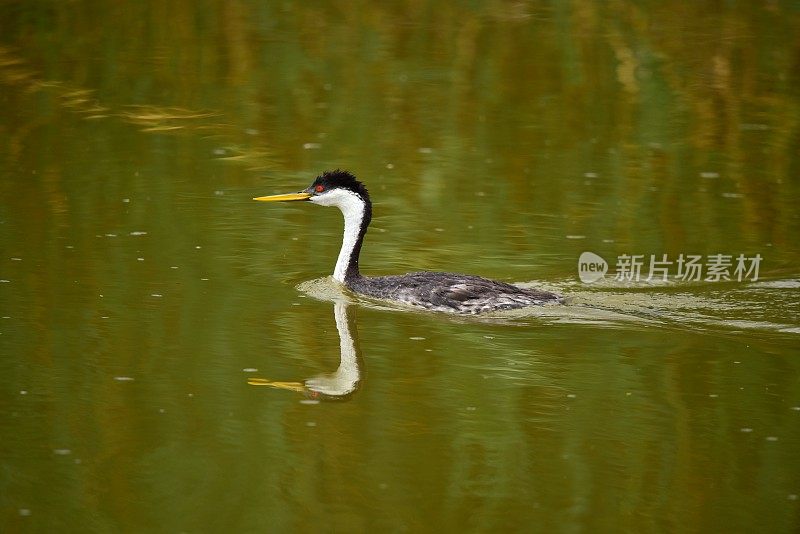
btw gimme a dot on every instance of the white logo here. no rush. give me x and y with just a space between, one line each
591 267
690 267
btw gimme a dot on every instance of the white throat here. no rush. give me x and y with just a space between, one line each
352 208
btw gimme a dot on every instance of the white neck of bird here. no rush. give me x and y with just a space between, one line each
353 208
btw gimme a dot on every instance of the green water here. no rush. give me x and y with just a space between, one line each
141 287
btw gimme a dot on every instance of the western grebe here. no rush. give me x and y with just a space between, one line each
449 292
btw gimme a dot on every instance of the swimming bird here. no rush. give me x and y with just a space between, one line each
447 292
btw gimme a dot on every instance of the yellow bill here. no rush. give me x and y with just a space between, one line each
284 198
291 386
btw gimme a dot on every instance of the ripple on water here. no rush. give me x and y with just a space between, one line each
326 289
671 304
777 284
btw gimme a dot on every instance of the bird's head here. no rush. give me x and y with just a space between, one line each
331 188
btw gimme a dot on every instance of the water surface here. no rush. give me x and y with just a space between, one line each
141 289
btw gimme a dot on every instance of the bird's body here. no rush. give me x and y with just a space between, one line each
449 292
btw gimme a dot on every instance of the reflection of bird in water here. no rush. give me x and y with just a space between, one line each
338 384
449 292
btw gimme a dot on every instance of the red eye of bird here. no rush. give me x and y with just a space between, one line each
319 188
